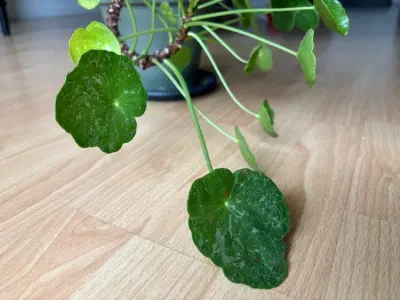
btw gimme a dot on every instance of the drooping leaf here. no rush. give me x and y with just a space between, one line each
306 19
260 56
96 36
245 150
100 99
266 117
306 57
249 68
264 60
334 15
283 21
168 12
239 220
88 4
182 59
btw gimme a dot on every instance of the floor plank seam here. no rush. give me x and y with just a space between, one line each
371 217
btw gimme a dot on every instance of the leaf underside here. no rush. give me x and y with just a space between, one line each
100 99
266 117
245 150
88 4
306 58
238 220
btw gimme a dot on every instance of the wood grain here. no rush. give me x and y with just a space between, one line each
79 224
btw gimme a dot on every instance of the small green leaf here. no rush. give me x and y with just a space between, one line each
182 58
245 150
306 19
306 57
239 220
249 68
168 12
266 117
264 60
334 15
96 36
88 4
100 99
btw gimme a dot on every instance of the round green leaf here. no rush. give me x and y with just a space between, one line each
306 19
266 117
168 12
249 68
239 220
88 4
96 36
245 150
307 59
333 15
284 21
100 99
264 59
182 58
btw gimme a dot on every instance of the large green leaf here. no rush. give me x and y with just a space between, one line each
88 4
283 21
239 220
260 56
306 19
100 99
182 59
264 60
307 59
266 117
168 12
96 36
333 15
245 150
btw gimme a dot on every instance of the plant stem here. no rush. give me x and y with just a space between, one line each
153 25
215 125
134 26
124 38
223 43
182 7
249 10
195 36
245 33
183 89
205 32
207 4
147 3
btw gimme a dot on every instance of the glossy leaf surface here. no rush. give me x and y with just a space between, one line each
96 36
266 117
334 15
245 150
307 59
239 220
100 99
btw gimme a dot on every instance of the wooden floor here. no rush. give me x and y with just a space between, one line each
80 224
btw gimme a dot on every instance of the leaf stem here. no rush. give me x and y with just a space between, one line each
215 125
209 3
134 26
182 7
223 43
153 25
147 3
124 38
210 57
245 33
183 89
249 10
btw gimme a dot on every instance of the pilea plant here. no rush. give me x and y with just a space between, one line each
237 219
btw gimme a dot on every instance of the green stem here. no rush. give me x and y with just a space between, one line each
147 3
223 43
153 25
210 57
249 10
182 7
205 32
183 89
245 33
124 38
134 26
215 125
207 4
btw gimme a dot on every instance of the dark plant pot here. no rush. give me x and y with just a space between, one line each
157 84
